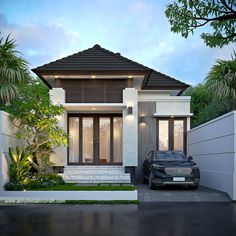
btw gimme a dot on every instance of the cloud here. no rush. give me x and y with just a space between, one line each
41 43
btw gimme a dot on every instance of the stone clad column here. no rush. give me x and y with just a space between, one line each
59 158
130 128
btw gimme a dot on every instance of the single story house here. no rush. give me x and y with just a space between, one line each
116 111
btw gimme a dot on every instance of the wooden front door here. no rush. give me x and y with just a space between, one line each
95 139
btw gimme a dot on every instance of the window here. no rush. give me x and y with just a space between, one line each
171 134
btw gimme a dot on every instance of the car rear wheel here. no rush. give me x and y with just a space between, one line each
151 184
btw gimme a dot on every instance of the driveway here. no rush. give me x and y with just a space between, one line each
170 219
180 194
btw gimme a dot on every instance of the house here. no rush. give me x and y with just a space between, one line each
116 111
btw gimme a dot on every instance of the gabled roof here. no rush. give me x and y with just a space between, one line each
100 60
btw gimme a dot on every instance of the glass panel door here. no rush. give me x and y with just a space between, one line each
74 140
88 140
171 134
117 140
95 139
178 135
104 140
163 135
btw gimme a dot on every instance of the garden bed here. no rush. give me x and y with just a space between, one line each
76 187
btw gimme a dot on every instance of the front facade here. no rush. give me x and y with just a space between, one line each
116 111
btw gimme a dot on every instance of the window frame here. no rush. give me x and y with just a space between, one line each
171 132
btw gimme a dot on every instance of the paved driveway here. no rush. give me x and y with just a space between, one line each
180 194
171 219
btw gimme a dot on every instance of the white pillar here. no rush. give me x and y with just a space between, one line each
59 158
130 127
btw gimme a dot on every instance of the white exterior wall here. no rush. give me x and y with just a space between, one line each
213 147
167 105
130 128
57 96
173 106
7 139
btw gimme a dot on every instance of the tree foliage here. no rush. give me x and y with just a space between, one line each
221 80
13 70
206 106
220 15
36 118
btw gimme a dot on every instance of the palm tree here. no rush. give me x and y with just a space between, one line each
13 70
221 80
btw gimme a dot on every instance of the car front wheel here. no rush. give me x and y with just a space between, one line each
151 184
193 187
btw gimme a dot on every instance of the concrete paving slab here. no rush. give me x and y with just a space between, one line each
180 194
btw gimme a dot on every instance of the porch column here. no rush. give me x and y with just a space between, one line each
59 158
130 127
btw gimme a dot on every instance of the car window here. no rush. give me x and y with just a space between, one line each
178 156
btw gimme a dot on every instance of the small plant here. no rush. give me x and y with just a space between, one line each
43 181
20 164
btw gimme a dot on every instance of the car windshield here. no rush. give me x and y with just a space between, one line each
169 156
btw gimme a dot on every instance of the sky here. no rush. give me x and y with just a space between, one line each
46 30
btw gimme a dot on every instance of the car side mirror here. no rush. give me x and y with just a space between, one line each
190 158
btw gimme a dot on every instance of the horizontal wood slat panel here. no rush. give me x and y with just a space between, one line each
94 90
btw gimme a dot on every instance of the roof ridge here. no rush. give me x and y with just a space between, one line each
118 55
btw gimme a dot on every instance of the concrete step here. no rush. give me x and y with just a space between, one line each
125 178
96 174
93 169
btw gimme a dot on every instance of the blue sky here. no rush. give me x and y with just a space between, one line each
46 30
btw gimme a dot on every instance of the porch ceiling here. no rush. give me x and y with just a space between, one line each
94 107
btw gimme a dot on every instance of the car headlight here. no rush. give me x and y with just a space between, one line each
155 166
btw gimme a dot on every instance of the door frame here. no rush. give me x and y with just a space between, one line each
96 130
171 132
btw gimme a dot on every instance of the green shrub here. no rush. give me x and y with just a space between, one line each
35 182
44 180
14 186
20 164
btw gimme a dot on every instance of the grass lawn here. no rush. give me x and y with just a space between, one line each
75 187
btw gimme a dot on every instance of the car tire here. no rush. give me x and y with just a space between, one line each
151 184
193 187
145 180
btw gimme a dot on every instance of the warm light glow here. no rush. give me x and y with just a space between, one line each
130 117
130 76
93 76
77 119
130 104
93 108
56 76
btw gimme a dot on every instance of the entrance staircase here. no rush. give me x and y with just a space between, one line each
96 174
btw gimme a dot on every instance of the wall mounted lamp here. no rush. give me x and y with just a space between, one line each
129 111
142 119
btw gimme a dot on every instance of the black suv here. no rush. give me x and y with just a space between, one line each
162 168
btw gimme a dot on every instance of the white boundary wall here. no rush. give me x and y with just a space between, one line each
213 147
69 195
7 139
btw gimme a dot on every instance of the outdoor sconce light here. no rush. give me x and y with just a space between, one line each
129 111
142 120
